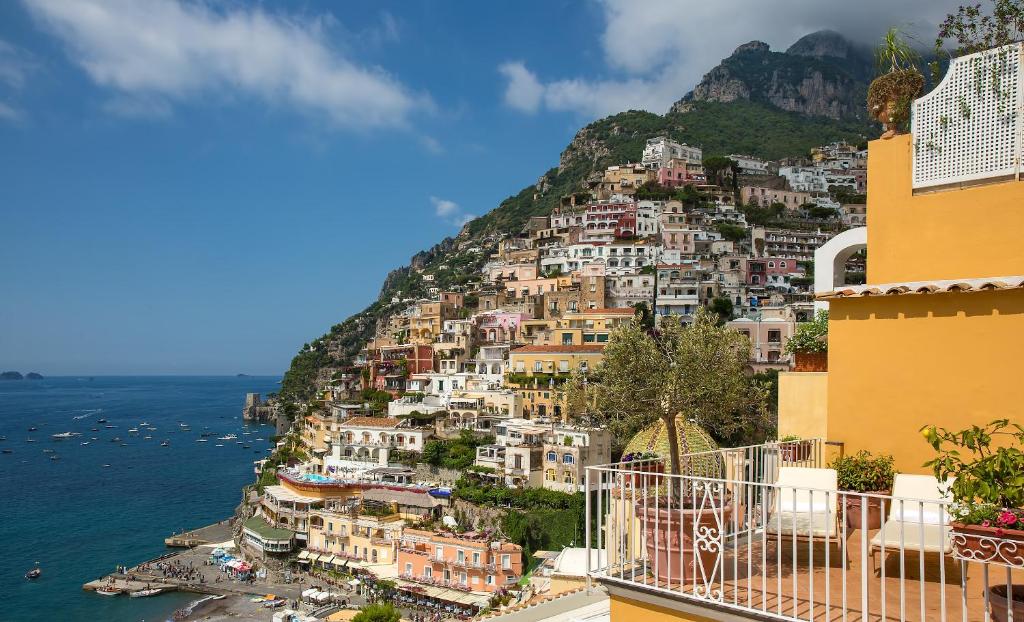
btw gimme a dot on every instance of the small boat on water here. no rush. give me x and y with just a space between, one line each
85 442
219 445
146 438
144 593
101 421
110 427
35 573
55 457
33 429
227 437
3 438
106 466
165 444
8 451
30 440
108 592
94 429
115 440
61 436
133 430
47 451
202 440
246 446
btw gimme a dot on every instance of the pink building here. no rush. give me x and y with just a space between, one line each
678 176
468 562
499 326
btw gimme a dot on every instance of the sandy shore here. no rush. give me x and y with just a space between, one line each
229 608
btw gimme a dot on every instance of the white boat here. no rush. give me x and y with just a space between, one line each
219 445
227 437
133 430
108 592
61 436
145 593
85 442
165 444
202 440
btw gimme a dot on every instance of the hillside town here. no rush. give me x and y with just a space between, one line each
378 478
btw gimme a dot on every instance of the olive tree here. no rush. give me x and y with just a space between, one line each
694 371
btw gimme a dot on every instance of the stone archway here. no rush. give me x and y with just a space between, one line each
830 260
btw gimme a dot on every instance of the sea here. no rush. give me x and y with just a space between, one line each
107 502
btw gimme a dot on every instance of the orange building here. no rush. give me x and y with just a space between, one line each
468 562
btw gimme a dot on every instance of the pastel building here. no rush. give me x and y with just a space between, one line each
469 561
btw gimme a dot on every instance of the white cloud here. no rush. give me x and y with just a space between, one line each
15 65
175 51
657 51
431 144
444 207
523 91
450 211
10 114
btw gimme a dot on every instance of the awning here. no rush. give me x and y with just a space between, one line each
354 582
314 557
304 555
309 591
327 559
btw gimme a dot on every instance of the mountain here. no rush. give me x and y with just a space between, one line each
752 125
11 375
822 74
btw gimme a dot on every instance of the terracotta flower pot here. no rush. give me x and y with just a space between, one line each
640 473
999 604
674 552
811 361
974 542
876 510
795 451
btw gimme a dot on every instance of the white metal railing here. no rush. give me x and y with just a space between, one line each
969 127
734 537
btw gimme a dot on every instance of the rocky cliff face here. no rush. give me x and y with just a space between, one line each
822 74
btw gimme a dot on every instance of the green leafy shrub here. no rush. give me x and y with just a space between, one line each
810 336
863 472
984 474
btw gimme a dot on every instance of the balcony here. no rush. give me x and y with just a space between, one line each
745 538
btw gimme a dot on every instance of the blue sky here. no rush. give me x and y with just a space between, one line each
201 187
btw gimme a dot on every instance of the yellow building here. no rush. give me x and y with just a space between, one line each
354 537
535 372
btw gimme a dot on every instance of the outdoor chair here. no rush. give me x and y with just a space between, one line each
918 520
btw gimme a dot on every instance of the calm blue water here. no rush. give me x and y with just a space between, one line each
78 518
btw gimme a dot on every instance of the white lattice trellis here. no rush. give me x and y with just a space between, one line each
969 127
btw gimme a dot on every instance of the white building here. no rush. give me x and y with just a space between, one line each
749 165
659 150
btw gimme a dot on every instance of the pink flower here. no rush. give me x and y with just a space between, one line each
1006 518
986 523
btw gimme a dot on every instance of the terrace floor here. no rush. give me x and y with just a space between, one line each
761 576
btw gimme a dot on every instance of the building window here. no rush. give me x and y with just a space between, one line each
408 568
563 366
552 456
506 561
568 459
428 571
538 366
490 579
566 339
774 336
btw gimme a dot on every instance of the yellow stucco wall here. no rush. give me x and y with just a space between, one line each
627 610
803 404
949 234
897 363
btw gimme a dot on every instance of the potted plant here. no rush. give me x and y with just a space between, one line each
869 475
890 94
988 492
641 462
794 449
809 344
988 495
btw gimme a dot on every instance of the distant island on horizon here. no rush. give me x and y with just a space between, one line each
14 375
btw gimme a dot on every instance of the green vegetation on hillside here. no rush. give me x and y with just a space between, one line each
719 128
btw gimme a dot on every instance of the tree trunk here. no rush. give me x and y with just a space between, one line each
673 442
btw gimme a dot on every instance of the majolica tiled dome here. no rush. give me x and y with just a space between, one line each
693 439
